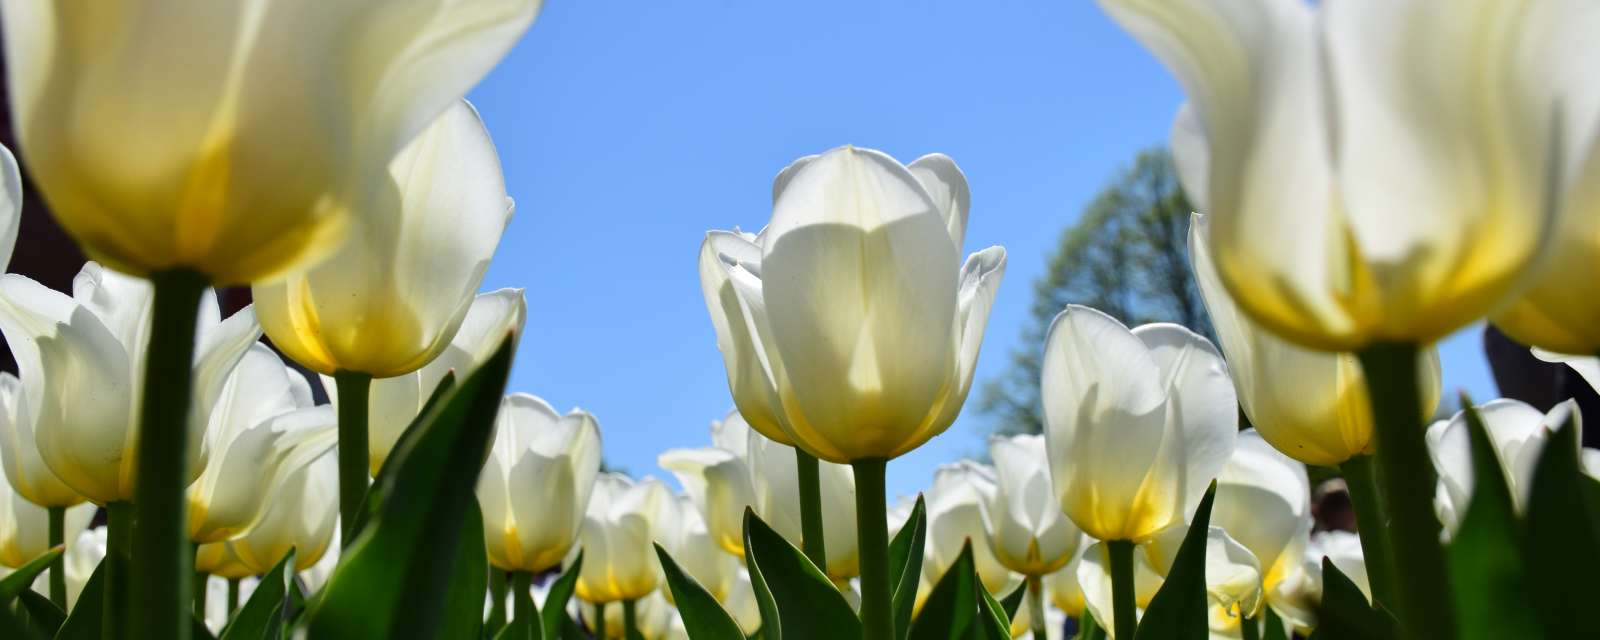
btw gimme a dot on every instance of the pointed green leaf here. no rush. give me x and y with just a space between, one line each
393 576
265 613
462 612
796 599
951 607
83 621
1013 600
1562 550
555 602
905 564
372 499
1273 628
1489 587
1089 628
21 580
1180 609
702 615
43 615
1345 613
995 623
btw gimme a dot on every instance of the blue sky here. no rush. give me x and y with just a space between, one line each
627 129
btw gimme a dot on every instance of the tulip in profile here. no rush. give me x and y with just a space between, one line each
302 513
535 486
1517 432
955 518
25 533
1028 533
622 523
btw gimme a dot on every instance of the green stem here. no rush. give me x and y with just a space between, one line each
119 525
159 543
200 593
58 536
527 615
1361 477
872 532
1408 484
354 389
1088 628
600 620
233 597
1124 612
1036 606
497 596
1250 629
630 625
810 509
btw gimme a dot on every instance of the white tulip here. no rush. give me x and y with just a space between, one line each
233 138
302 513
82 557
858 307
1375 171
263 424
1517 432
394 402
1094 578
1299 594
718 480
535 486
722 575
1065 592
391 297
1027 530
25 527
19 451
1137 422
622 523
10 205
1264 502
220 559
955 518
654 617
82 366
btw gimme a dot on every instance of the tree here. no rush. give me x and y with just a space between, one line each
1127 256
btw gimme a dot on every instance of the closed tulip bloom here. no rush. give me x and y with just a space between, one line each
80 561
214 164
777 491
1027 530
1518 433
718 480
82 363
623 521
755 394
25 469
690 545
1375 171
302 513
1311 405
1065 592
394 402
1137 422
535 486
869 324
220 559
263 423
25 527
1094 578
390 298
955 518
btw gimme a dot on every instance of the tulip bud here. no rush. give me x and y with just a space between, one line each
1028 532
535 486
212 163
302 513
955 519
623 521
25 527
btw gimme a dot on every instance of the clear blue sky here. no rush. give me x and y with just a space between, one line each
627 129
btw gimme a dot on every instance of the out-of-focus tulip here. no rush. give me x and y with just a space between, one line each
1311 405
211 165
1518 433
394 402
718 480
1065 592
1094 578
1233 574
866 321
222 560
1264 502
535 486
25 470
317 574
25 527
82 365
217 611
1137 422
10 205
302 513
1027 530
955 517
390 298
80 561
619 530
723 575
1311 128
654 616
1299 594
264 423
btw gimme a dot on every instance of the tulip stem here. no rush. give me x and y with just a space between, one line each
200 593
1408 483
1036 606
119 523
600 620
630 626
497 601
1088 628
1249 628
810 509
526 614
354 388
233 597
1361 477
159 543
58 536
872 530
1124 615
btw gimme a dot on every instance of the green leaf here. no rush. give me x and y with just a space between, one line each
265 613
796 599
951 607
1089 628
21 580
83 621
1180 608
43 615
371 501
702 615
555 602
1013 600
461 615
393 576
1345 613
1274 625
1490 590
905 564
1562 550
994 623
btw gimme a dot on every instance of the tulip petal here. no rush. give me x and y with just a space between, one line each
1203 402
10 204
980 282
25 470
1191 154
718 482
743 354
947 185
1263 499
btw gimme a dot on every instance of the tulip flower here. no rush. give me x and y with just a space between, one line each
264 423
10 205
1517 432
221 559
223 597
1028 533
722 574
25 469
955 506
26 533
1066 593
1094 579
535 486
623 520
653 617
80 560
719 480
301 514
